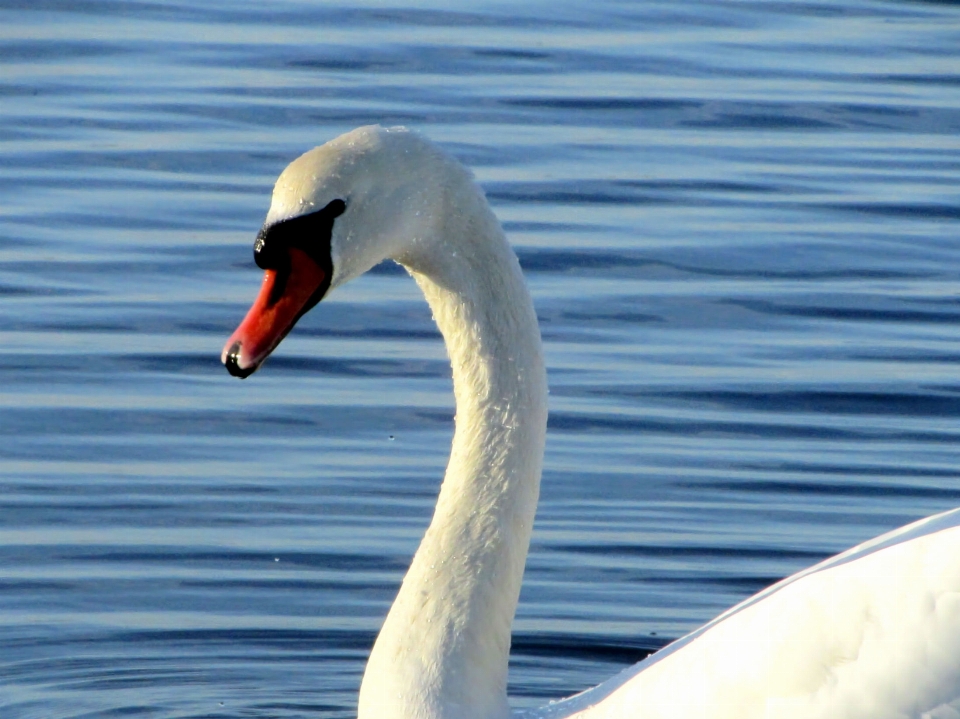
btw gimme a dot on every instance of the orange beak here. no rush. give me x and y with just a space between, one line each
284 296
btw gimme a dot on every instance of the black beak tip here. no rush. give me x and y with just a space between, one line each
232 363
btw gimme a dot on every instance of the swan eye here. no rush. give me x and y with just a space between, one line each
336 208
310 233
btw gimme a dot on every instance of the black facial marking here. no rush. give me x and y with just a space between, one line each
309 233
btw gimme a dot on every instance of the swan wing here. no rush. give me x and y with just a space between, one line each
873 632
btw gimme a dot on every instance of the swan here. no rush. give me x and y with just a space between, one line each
873 632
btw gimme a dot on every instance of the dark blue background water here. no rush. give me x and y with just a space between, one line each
739 221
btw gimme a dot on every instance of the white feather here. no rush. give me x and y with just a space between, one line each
873 633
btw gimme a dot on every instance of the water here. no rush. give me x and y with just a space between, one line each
739 223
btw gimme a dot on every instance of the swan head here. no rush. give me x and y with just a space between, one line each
337 210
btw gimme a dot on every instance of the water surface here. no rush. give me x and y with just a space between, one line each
739 223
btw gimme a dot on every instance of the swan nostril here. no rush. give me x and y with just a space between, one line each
232 362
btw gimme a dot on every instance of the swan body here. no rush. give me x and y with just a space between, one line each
871 633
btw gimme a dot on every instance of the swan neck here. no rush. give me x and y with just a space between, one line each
444 647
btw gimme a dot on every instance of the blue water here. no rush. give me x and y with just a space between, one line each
739 222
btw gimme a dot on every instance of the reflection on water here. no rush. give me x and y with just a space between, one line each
739 225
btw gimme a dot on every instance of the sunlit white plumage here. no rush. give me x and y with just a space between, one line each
871 633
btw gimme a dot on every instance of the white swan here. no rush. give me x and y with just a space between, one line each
872 633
